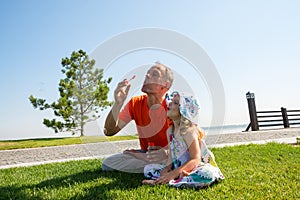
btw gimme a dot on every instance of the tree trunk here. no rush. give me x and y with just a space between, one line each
81 130
81 121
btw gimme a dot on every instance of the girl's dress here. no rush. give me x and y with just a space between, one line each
203 175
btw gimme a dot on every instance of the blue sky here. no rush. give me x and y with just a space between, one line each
253 44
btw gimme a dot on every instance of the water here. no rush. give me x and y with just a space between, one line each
131 131
226 129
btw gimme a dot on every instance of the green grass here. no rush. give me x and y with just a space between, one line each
31 143
269 171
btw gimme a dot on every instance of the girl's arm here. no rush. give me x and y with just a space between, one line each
193 162
169 163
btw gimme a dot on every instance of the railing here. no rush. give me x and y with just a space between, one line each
278 118
282 117
295 113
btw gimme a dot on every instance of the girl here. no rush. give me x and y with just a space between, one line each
190 163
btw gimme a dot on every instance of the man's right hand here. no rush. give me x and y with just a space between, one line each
121 92
112 124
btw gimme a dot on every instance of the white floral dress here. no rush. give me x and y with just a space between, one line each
203 175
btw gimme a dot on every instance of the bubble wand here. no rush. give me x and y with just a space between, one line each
133 77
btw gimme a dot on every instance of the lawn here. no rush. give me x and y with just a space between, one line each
269 171
31 143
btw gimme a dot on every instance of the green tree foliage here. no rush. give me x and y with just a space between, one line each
82 94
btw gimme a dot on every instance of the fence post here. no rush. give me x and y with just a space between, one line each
252 111
286 123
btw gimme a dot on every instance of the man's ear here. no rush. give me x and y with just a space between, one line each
168 85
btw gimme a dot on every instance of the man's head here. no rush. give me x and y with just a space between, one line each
158 80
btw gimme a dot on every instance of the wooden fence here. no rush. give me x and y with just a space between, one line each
282 117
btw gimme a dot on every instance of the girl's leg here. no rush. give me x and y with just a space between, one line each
200 177
152 171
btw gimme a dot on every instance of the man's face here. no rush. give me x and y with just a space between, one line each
154 80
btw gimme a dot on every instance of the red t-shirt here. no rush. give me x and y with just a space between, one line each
152 123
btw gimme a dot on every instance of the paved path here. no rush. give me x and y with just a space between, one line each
36 156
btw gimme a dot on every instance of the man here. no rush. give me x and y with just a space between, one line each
149 113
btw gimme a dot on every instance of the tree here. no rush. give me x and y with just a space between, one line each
82 94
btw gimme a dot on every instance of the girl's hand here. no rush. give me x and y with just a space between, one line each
167 177
184 173
164 171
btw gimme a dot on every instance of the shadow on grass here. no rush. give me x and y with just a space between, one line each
89 184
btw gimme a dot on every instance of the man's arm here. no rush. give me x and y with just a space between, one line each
112 123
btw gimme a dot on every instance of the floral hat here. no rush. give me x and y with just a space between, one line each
188 106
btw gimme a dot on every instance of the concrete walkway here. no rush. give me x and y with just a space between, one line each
37 156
